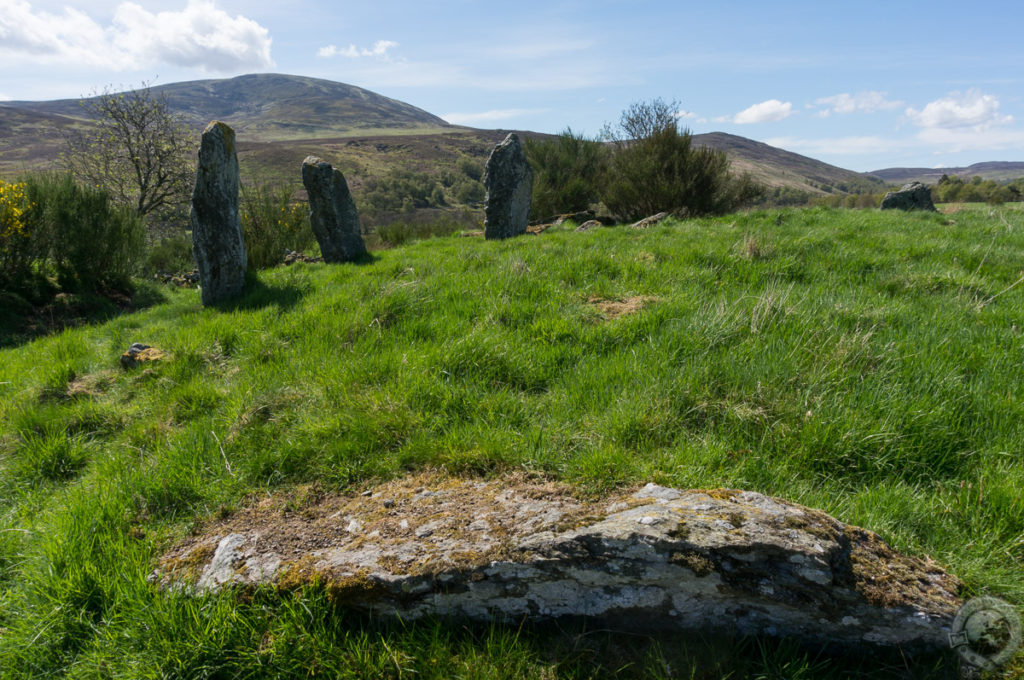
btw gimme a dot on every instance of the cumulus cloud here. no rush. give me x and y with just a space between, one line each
867 102
200 35
953 140
970 109
765 112
379 49
851 145
488 116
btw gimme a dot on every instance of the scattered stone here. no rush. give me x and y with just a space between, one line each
292 256
217 241
912 196
139 354
332 212
588 225
649 221
180 279
659 558
508 179
578 218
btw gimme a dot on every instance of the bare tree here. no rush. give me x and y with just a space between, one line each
137 149
643 120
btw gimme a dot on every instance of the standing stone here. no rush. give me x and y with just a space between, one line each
217 241
509 183
332 213
912 196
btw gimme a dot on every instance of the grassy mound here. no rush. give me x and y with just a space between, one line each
865 363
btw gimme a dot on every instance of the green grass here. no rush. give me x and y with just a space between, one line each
866 363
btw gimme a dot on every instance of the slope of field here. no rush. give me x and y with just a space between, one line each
864 363
276 114
31 140
273 106
997 170
776 167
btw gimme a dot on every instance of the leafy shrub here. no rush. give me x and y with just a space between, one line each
272 223
567 173
15 239
171 254
471 169
469 191
656 168
403 231
90 241
402 190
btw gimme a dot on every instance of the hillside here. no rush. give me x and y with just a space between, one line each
780 168
279 118
275 107
996 170
858 362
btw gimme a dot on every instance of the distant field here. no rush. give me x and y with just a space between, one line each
865 363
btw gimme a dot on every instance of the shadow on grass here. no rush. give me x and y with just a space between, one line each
25 317
258 294
364 259
585 648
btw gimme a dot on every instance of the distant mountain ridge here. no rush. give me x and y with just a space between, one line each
275 115
270 106
997 170
776 167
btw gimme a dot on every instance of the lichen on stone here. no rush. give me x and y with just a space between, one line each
507 548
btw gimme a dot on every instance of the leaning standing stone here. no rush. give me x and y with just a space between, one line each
913 196
217 241
332 213
509 183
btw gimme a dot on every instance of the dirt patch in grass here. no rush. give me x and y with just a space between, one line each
613 309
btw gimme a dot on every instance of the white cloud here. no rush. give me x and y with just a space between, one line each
488 116
685 114
543 49
199 35
851 145
954 140
929 140
971 109
379 49
868 102
765 112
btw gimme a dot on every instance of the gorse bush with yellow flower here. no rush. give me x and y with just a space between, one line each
49 225
15 239
272 223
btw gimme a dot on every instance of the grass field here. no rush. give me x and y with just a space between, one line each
870 364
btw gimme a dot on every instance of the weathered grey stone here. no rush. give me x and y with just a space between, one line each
217 241
138 354
332 212
659 558
649 221
912 196
588 225
508 179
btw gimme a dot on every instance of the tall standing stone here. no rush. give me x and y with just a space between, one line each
217 241
508 179
332 212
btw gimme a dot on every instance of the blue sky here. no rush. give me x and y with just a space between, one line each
861 85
